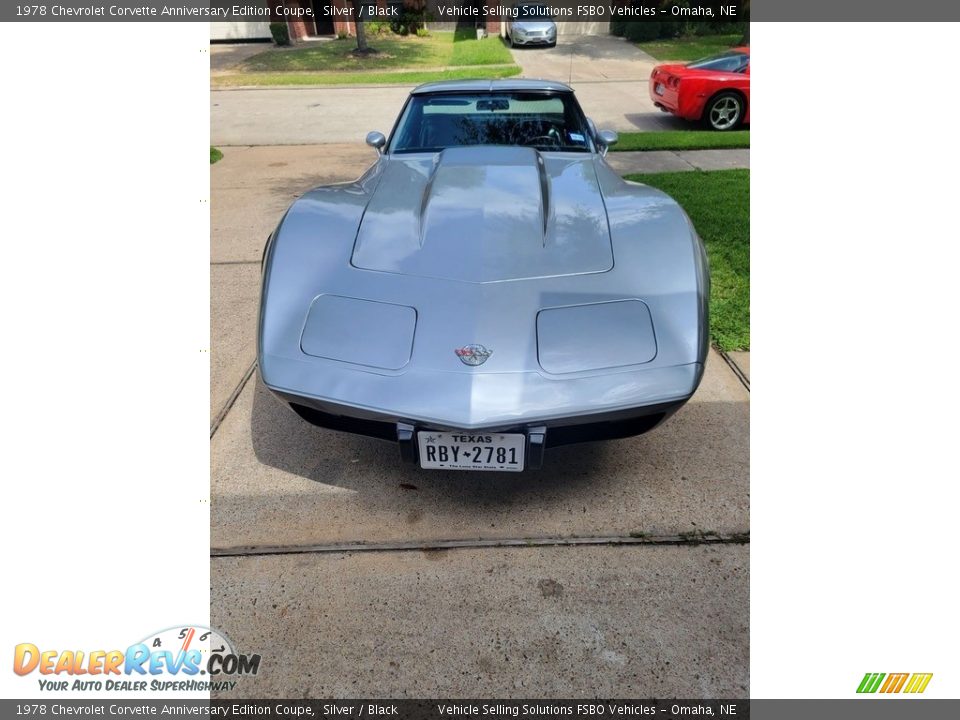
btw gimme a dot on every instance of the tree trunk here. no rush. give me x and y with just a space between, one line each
361 31
361 37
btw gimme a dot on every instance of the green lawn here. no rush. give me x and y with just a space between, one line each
439 49
467 50
682 140
719 205
689 48
365 78
215 155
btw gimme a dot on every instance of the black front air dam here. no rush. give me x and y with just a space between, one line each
567 431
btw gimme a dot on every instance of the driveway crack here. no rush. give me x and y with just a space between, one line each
221 416
691 539
744 380
680 156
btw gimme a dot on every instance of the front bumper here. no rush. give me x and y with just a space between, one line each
617 405
539 437
534 39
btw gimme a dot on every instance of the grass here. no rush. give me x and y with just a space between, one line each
215 155
400 60
439 49
689 48
467 50
682 140
365 78
719 205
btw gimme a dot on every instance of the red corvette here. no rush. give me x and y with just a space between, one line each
715 90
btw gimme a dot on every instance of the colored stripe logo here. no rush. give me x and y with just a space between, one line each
894 682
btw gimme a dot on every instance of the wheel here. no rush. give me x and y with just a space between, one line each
724 111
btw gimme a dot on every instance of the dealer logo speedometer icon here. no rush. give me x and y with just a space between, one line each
207 650
182 639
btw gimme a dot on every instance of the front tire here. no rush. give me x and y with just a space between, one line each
725 111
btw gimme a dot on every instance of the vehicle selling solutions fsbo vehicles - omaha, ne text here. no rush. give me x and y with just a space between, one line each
488 289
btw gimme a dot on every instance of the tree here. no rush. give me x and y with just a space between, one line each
362 47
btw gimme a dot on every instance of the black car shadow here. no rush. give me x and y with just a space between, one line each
282 440
690 448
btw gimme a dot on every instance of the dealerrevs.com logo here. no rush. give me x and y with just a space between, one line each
182 658
910 683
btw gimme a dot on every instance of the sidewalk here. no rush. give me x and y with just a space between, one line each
655 161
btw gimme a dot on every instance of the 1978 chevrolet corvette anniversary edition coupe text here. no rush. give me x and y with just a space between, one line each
488 289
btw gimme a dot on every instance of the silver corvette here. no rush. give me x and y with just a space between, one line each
488 289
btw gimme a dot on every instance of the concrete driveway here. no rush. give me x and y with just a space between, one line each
585 58
609 76
226 56
353 575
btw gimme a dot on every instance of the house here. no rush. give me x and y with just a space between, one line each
308 19
326 18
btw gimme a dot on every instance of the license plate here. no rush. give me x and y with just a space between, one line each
658 88
471 451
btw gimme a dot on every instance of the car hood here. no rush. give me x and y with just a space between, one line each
486 214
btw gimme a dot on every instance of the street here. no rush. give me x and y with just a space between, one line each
608 75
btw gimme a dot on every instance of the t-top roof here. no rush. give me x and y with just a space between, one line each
490 86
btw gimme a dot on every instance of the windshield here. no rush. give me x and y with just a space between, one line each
731 61
541 120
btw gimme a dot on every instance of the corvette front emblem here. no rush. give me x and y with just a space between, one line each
473 354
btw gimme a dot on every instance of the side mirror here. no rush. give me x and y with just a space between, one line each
607 139
376 140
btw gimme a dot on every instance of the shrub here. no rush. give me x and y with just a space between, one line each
669 29
618 27
281 36
377 28
640 31
407 23
717 27
342 35
673 28
423 32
